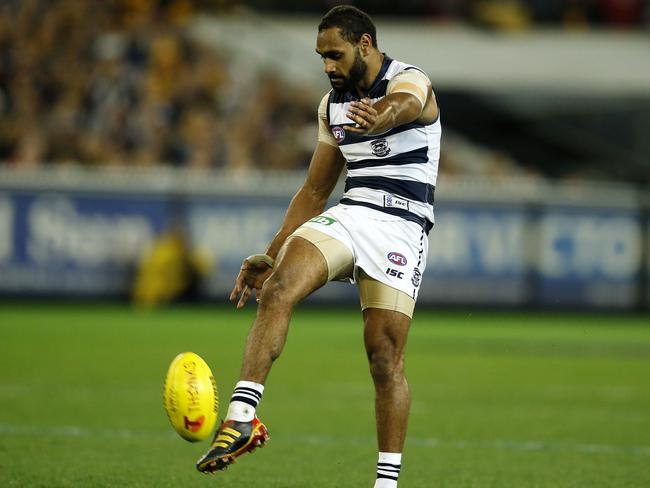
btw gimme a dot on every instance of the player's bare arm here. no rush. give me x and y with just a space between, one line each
324 170
410 100
391 111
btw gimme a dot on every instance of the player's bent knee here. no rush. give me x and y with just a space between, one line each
277 292
274 293
386 366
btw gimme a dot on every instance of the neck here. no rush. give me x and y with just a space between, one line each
374 62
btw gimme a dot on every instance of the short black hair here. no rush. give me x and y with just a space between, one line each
353 23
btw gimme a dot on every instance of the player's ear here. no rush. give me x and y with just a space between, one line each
365 44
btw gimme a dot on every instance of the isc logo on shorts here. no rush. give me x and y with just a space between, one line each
395 273
397 258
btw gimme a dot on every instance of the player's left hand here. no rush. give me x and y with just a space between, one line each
253 273
364 116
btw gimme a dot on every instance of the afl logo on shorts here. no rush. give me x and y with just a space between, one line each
339 133
417 276
397 258
380 148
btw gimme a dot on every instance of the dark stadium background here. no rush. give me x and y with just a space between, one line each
147 146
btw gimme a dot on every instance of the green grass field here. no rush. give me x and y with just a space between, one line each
499 400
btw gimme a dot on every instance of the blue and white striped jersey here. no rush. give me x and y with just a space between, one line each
394 172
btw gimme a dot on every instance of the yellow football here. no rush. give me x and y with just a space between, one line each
191 397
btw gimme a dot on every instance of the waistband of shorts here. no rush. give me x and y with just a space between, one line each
397 212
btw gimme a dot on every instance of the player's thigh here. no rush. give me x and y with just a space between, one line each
387 317
339 259
299 269
375 294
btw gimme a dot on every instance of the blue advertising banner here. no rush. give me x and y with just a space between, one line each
477 254
226 230
588 257
71 243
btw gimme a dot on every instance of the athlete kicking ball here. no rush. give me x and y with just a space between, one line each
380 121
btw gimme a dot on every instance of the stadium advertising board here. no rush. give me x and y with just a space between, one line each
589 257
226 230
73 243
477 254
82 244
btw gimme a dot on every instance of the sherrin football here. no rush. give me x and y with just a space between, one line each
191 398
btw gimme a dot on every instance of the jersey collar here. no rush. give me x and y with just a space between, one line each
382 72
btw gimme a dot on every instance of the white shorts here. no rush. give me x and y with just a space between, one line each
389 249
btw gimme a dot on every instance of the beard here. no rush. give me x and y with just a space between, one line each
357 72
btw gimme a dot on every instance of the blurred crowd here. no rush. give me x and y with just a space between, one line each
572 14
497 14
121 82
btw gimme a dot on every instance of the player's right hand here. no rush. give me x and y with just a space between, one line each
252 275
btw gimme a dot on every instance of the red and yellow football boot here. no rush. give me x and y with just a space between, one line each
231 440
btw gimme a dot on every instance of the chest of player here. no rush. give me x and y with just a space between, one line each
396 144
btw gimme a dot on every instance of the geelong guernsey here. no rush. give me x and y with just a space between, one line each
394 172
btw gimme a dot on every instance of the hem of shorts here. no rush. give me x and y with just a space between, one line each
386 306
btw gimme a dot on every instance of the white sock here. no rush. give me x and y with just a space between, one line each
244 400
389 465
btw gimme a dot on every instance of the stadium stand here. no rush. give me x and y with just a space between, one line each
125 83
122 83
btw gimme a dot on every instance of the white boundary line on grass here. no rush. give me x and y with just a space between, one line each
494 444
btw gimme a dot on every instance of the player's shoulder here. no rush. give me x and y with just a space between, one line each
322 106
325 97
400 68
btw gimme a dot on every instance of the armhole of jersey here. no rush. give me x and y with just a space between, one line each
435 96
327 107
417 69
325 134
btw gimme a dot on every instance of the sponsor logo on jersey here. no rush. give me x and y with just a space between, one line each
380 148
392 201
417 276
339 133
394 272
321 219
397 258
